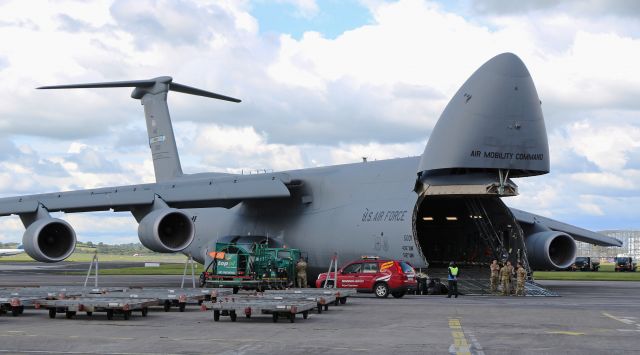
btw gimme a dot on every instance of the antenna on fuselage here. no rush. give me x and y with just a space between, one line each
153 95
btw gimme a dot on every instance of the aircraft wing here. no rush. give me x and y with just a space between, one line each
577 233
218 191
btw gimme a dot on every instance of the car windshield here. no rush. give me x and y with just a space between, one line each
406 268
622 260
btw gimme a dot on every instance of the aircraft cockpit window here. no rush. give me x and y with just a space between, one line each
352 269
370 268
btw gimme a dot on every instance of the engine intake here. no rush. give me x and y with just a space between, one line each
550 250
166 230
49 240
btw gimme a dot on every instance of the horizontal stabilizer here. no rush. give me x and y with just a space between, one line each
112 84
159 84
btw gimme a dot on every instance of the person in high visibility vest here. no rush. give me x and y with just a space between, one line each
453 280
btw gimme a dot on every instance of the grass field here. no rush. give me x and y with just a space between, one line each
606 273
163 269
85 256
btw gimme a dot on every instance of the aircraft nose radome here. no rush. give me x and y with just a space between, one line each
493 122
506 64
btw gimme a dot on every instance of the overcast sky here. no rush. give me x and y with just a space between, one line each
322 82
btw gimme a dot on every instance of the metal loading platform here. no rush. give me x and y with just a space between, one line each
251 305
111 300
475 281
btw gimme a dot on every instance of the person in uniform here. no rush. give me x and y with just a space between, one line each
301 273
453 280
495 275
505 278
521 276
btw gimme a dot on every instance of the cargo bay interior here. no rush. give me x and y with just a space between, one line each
470 230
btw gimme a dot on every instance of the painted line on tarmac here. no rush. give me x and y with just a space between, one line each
626 320
462 346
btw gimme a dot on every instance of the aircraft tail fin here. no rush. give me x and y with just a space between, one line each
153 95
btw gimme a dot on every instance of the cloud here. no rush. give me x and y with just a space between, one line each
375 90
623 8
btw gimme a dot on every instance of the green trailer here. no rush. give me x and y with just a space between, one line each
250 266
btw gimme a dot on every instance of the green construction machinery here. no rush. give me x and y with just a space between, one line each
250 266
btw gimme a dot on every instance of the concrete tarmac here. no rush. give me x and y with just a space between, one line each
589 318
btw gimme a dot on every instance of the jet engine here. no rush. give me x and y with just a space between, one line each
550 250
166 230
49 240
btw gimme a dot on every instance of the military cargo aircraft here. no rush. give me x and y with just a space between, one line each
443 205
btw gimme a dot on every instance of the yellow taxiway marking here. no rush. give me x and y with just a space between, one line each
461 345
564 332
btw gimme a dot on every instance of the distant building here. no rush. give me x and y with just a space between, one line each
630 245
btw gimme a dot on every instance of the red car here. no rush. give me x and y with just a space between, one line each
371 274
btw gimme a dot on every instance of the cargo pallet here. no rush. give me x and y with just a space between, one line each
341 294
249 305
90 305
322 301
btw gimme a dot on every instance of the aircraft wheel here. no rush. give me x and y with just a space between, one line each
233 316
305 314
216 316
182 307
167 305
52 313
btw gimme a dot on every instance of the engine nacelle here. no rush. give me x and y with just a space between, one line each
166 230
550 250
49 240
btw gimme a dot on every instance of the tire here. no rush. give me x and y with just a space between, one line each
326 307
305 314
167 305
20 309
233 316
15 311
398 294
343 300
381 290
216 315
52 313
182 307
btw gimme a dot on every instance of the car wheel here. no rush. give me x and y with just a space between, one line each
397 294
381 290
